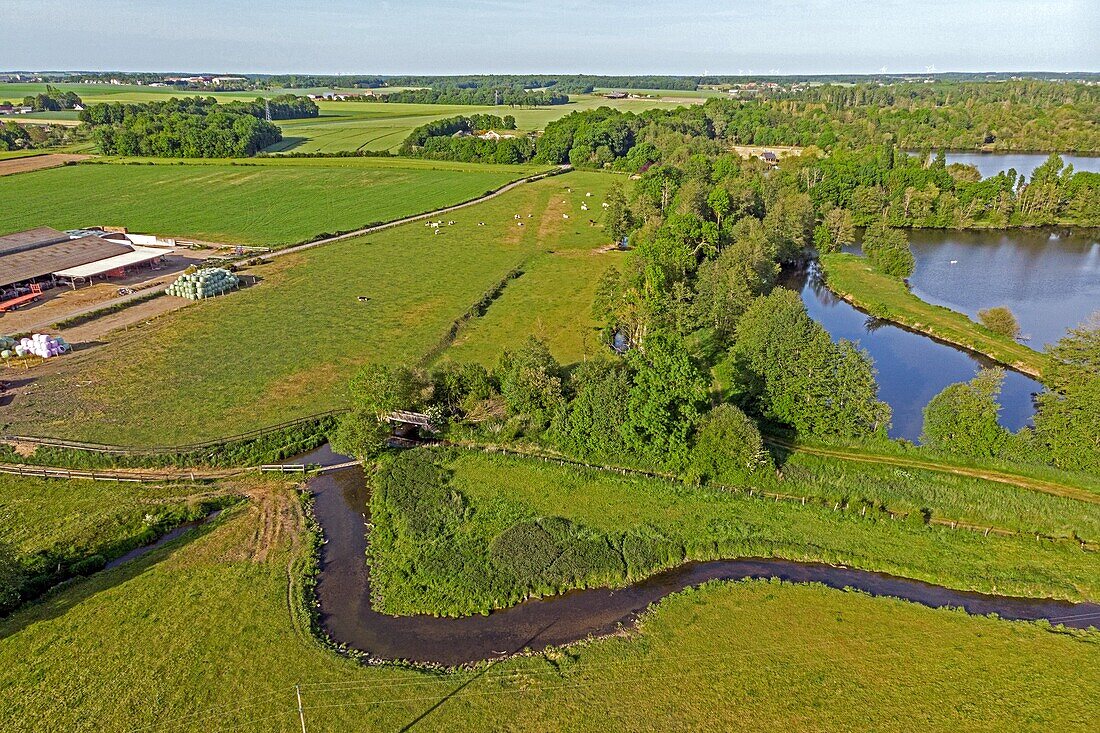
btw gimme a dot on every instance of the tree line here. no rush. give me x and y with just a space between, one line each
484 96
456 138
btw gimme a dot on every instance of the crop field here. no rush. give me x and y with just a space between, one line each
271 204
286 347
197 636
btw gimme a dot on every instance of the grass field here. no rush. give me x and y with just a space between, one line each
384 126
75 517
286 347
198 637
697 524
852 278
272 203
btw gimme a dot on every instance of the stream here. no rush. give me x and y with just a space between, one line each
344 592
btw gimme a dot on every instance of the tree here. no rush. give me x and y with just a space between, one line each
379 389
666 395
728 448
1000 320
591 425
617 218
11 577
720 203
530 382
962 419
888 249
1070 411
727 285
789 370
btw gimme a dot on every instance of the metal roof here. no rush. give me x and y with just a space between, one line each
30 238
19 265
137 256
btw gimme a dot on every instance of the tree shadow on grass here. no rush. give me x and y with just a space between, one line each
62 598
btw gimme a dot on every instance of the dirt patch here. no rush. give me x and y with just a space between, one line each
38 162
140 313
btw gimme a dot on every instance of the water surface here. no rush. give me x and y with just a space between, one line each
911 367
990 164
1049 278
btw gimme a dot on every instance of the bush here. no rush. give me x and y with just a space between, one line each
728 448
1000 320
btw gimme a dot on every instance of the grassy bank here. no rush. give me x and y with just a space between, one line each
198 637
272 204
286 347
503 528
854 279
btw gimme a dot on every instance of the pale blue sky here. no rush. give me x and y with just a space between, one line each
550 36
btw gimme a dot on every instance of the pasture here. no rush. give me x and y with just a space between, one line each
286 347
198 636
271 203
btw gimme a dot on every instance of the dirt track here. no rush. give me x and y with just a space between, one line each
38 162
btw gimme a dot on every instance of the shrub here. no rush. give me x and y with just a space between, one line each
728 448
1000 320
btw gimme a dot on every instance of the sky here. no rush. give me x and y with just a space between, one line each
677 37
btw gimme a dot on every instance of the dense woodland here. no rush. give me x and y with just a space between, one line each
193 127
456 138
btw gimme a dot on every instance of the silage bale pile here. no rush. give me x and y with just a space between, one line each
40 344
205 283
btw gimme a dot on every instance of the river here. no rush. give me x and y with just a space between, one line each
348 616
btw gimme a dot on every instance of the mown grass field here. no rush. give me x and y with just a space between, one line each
198 636
681 522
853 278
271 204
286 347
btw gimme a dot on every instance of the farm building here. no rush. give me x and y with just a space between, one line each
41 256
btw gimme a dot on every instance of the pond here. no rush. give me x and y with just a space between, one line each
1049 278
912 368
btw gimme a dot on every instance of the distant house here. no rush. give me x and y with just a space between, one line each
615 95
769 157
6 108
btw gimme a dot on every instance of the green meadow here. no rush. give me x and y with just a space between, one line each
286 347
198 636
263 202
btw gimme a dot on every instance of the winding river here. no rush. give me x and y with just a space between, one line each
347 615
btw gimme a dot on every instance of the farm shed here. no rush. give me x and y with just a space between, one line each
116 266
38 253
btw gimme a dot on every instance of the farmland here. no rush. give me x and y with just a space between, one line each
180 379
272 203
153 636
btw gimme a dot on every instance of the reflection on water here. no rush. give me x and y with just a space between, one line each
990 164
911 368
1049 278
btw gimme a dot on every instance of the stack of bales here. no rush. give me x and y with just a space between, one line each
205 283
39 344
